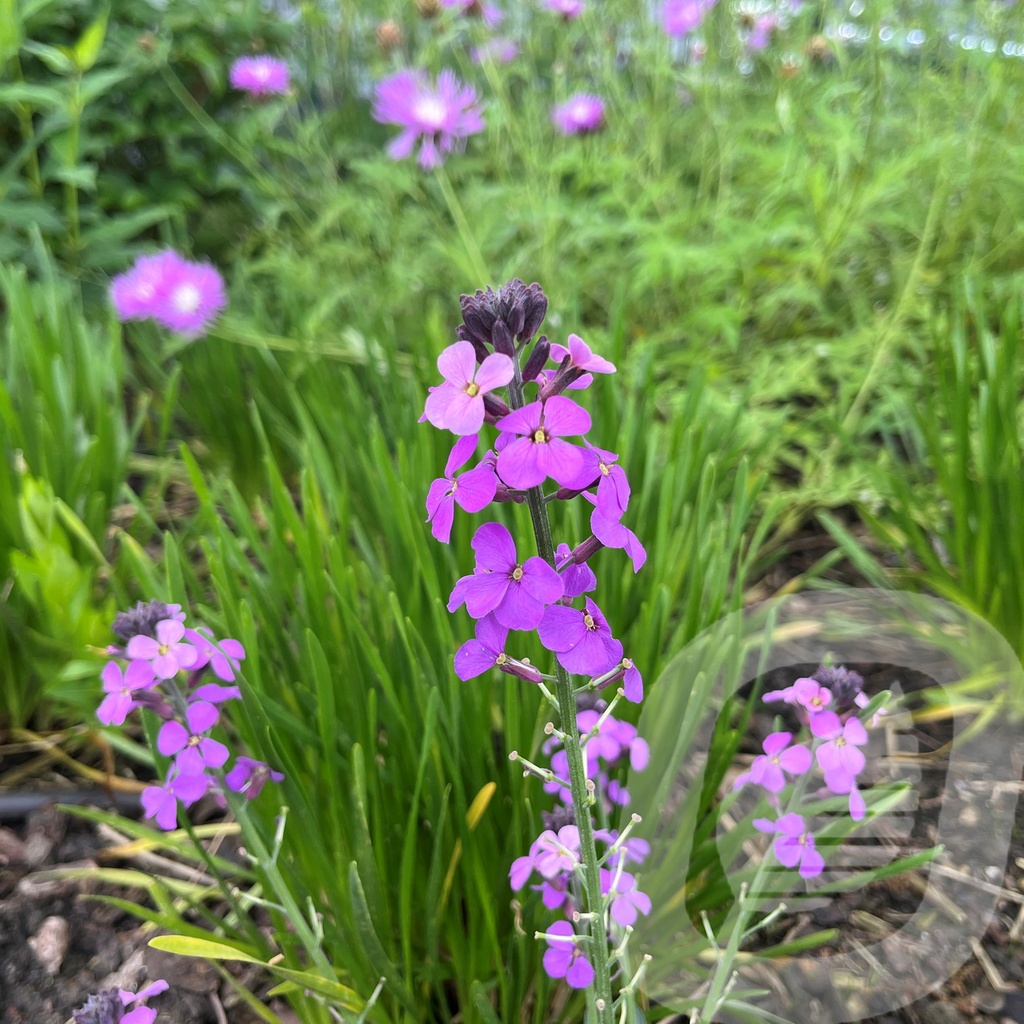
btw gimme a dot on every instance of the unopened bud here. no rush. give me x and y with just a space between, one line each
501 336
538 357
389 36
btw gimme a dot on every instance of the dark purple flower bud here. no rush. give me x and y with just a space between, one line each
103 1007
844 684
538 357
494 406
563 377
520 307
588 700
502 338
141 620
585 551
558 818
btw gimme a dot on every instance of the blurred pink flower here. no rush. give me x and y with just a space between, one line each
260 76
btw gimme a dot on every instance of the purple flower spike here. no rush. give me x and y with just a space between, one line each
249 776
516 593
260 76
166 653
840 756
627 901
794 844
437 116
195 752
582 640
576 579
579 115
612 534
769 769
472 491
564 959
121 689
539 451
458 404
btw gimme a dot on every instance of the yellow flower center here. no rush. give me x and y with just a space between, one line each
539 436
193 741
501 659
604 469
163 649
472 389
840 741
517 572
588 621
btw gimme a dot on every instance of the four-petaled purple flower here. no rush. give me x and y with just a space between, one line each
564 959
435 115
840 757
612 486
627 901
458 404
613 534
681 16
472 490
794 844
223 656
516 592
161 802
582 361
195 751
770 768
581 639
249 776
121 688
167 654
538 451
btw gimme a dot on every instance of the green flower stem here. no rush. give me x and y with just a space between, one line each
602 989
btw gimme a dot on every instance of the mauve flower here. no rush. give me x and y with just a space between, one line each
161 802
261 76
564 959
539 451
681 16
794 844
472 491
516 592
121 688
840 755
576 579
612 486
458 404
579 115
761 34
811 696
627 901
769 769
436 116
249 776
582 640
166 653
195 751
581 358
222 656
191 297
568 9
135 294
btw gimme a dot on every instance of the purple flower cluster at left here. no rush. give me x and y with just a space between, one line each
182 296
165 666
119 1006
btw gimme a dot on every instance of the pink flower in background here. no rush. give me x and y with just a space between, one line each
579 115
568 9
260 76
500 50
434 115
191 297
681 16
761 34
136 292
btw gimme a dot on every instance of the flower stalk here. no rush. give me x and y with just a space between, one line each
581 801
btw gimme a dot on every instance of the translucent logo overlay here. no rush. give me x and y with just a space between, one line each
906 893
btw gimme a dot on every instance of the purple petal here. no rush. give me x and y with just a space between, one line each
776 742
522 421
518 608
540 581
457 364
561 628
564 418
580 973
518 464
201 716
169 632
190 762
465 413
142 647
189 788
214 753
484 592
172 737
519 873
114 708
559 460
826 725
812 863
473 659
796 760
791 825
113 678
475 489
139 675
165 665
788 850
557 960
494 548
494 372
461 453
442 517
